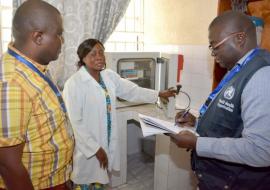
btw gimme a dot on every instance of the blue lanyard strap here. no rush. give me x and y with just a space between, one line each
225 80
33 68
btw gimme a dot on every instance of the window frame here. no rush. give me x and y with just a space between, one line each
131 39
5 42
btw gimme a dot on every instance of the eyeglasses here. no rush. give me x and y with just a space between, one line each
214 48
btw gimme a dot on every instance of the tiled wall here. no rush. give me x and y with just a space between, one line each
197 73
172 166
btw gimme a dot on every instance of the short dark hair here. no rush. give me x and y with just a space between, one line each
85 47
235 21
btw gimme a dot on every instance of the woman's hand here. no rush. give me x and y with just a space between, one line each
102 158
165 94
185 119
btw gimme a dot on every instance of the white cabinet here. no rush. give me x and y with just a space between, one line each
172 165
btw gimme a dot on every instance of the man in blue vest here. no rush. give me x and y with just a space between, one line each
233 149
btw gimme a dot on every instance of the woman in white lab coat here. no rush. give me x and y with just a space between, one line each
90 96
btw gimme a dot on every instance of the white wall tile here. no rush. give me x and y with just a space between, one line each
197 73
161 181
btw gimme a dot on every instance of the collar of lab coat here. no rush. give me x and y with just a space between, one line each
85 76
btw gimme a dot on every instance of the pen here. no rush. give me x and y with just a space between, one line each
185 113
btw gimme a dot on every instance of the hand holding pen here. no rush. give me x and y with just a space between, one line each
185 113
185 139
185 118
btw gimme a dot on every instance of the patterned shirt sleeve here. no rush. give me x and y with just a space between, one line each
15 108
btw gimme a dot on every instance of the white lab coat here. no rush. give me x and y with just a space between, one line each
86 106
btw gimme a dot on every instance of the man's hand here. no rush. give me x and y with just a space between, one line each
184 139
186 119
102 158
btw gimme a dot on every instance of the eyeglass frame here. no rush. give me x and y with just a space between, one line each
214 48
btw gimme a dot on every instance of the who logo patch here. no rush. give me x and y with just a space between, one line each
229 93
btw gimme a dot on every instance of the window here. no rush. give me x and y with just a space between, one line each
5 24
129 33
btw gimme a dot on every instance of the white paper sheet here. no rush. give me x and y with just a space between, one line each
152 126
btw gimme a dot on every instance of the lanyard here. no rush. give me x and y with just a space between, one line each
108 106
225 80
33 68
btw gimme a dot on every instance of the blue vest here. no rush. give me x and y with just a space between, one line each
223 119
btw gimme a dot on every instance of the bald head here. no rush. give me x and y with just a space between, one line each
234 21
231 36
32 15
37 29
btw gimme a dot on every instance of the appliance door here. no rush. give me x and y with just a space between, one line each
138 70
162 73
147 69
